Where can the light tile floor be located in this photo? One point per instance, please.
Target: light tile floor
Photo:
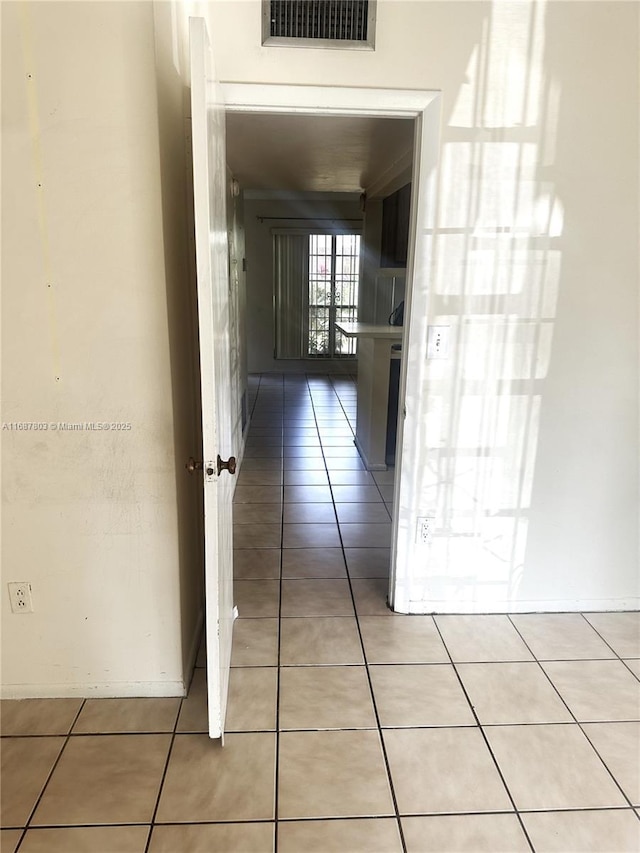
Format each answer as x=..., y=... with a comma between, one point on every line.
x=350, y=729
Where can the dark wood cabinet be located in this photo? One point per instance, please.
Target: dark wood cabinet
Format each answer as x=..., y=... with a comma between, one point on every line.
x=395, y=228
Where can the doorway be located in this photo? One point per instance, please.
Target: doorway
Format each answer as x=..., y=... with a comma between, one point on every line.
x=276, y=103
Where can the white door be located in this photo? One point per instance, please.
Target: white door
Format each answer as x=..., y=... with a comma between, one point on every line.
x=209, y=176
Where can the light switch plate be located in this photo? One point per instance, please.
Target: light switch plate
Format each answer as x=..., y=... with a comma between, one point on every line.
x=438, y=341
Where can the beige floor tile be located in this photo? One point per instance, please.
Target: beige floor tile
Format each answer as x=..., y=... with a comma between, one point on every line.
x=257, y=495
x=260, y=478
x=256, y=564
x=306, y=478
x=319, y=640
x=360, y=835
x=105, y=779
x=325, y=697
x=252, y=699
x=419, y=695
x=260, y=465
x=552, y=767
x=512, y=693
x=193, y=713
x=480, y=833
x=596, y=690
x=255, y=642
x=310, y=536
x=256, y=441
x=127, y=715
x=38, y=716
x=385, y=477
x=560, y=636
x=634, y=666
x=9, y=839
x=338, y=444
x=343, y=464
x=402, y=639
x=482, y=638
x=584, y=831
x=321, y=775
x=316, y=598
x=368, y=562
x=256, y=535
x=618, y=744
x=307, y=494
x=263, y=452
x=313, y=562
x=371, y=595
x=25, y=767
x=365, y=513
x=443, y=770
x=387, y=492
x=208, y=782
x=86, y=839
x=226, y=838
x=351, y=478
x=333, y=450
x=366, y=535
x=303, y=463
x=309, y=513
x=301, y=440
x=245, y=513
x=354, y=494
x=620, y=630
x=257, y=599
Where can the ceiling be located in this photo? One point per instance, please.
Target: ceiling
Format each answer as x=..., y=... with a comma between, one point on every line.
x=308, y=153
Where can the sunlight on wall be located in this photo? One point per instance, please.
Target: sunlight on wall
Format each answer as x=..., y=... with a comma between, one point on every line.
x=496, y=273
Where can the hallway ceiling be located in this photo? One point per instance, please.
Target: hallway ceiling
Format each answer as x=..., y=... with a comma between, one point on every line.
x=305, y=153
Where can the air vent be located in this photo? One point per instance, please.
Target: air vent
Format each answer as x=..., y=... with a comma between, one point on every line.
x=319, y=23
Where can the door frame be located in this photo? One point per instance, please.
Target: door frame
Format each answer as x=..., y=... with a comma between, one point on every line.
x=424, y=107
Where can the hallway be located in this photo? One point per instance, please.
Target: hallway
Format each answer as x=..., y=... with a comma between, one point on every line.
x=350, y=729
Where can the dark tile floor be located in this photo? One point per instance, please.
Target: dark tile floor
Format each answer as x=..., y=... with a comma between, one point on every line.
x=351, y=729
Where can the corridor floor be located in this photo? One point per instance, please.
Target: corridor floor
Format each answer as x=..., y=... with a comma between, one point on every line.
x=350, y=729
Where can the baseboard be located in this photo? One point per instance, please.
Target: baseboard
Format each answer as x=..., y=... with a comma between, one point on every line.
x=104, y=690
x=589, y=605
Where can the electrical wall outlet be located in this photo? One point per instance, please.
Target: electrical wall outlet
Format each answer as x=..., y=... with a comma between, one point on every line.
x=438, y=341
x=424, y=529
x=20, y=597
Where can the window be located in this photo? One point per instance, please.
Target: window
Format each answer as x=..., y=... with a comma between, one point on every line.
x=319, y=23
x=315, y=278
x=334, y=268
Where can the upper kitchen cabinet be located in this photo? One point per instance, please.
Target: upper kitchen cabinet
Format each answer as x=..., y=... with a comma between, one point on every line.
x=395, y=228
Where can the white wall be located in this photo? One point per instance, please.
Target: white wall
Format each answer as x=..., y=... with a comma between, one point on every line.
x=94, y=319
x=262, y=215
x=527, y=452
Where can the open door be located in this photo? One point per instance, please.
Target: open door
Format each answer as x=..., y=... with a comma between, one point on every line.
x=209, y=176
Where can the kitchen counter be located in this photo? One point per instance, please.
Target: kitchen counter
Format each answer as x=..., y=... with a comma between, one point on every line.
x=374, y=356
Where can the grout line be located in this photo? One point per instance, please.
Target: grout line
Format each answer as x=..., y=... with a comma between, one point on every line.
x=27, y=824
x=371, y=691
x=608, y=644
x=484, y=736
x=276, y=803
x=576, y=721
x=166, y=764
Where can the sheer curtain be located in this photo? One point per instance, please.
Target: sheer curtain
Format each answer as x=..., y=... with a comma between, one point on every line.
x=291, y=293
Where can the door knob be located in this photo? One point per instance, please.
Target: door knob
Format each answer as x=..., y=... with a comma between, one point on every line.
x=229, y=465
x=192, y=465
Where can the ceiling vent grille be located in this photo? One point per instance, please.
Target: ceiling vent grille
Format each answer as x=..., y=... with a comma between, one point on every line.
x=319, y=23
